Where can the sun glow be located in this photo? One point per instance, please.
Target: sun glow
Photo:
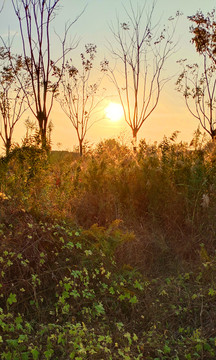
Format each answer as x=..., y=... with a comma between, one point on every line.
x=114, y=111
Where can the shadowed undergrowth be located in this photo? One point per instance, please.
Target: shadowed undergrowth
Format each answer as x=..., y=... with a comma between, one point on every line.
x=111, y=256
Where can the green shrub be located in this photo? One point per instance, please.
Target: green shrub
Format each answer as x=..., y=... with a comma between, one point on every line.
x=62, y=293
x=165, y=194
x=63, y=296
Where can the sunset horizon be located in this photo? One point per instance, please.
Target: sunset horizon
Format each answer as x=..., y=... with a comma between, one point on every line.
x=170, y=114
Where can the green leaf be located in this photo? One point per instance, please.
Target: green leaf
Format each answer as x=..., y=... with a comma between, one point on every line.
x=11, y=299
x=78, y=245
x=12, y=342
x=198, y=347
x=101, y=338
x=111, y=290
x=88, y=252
x=18, y=321
x=48, y=354
x=35, y=354
x=72, y=355
x=135, y=337
x=67, y=286
x=138, y=286
x=70, y=244
x=211, y=292
x=133, y=300
x=99, y=308
x=120, y=325
x=166, y=349
x=207, y=347
x=75, y=293
x=25, y=356
x=7, y=356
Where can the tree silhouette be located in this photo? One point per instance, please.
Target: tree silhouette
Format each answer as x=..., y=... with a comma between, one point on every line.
x=199, y=86
x=141, y=50
x=79, y=100
x=44, y=73
x=203, y=30
x=11, y=97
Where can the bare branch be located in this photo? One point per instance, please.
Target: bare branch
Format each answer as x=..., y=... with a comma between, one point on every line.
x=11, y=98
x=79, y=100
x=199, y=93
x=141, y=51
x=43, y=72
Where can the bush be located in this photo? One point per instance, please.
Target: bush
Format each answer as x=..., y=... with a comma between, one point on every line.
x=63, y=296
x=109, y=256
x=165, y=194
x=61, y=290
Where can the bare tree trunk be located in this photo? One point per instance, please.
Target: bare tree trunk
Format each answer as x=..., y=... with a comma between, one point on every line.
x=81, y=147
x=134, y=141
x=8, y=146
x=42, y=121
x=213, y=135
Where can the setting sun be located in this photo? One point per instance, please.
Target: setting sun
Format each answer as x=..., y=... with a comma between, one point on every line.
x=114, y=111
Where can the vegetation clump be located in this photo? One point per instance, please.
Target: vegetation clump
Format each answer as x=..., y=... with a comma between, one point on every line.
x=108, y=256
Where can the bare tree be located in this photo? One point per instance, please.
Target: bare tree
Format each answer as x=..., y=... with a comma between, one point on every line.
x=199, y=90
x=199, y=87
x=11, y=98
x=141, y=49
x=44, y=74
x=80, y=100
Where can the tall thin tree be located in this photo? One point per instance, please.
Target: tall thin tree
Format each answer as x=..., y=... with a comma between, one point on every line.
x=140, y=50
x=79, y=99
x=197, y=82
x=11, y=98
x=43, y=72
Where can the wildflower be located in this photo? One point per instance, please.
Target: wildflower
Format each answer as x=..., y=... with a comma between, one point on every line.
x=205, y=201
x=58, y=181
x=3, y=196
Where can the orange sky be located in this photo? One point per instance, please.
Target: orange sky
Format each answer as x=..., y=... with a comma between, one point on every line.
x=93, y=26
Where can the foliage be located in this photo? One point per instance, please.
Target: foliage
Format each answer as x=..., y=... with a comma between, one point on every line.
x=11, y=96
x=203, y=29
x=60, y=287
x=165, y=194
x=198, y=87
x=109, y=256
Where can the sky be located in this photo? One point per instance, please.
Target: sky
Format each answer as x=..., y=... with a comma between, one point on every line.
x=93, y=26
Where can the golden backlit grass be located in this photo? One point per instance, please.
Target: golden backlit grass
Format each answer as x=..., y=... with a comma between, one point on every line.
x=108, y=256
